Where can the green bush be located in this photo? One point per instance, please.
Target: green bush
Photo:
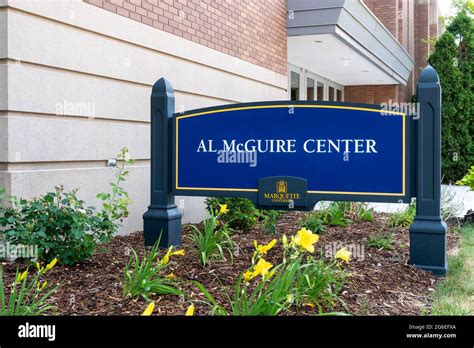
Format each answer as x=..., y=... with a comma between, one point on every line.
x=242, y=214
x=468, y=179
x=312, y=221
x=269, y=219
x=61, y=225
x=454, y=62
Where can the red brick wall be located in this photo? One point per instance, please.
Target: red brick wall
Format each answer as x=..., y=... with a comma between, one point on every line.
x=395, y=15
x=411, y=22
x=254, y=31
x=428, y=26
x=372, y=94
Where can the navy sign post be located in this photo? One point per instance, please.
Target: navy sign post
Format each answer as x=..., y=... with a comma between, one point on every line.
x=290, y=156
x=428, y=231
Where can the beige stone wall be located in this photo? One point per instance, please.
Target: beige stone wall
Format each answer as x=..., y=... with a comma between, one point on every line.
x=75, y=83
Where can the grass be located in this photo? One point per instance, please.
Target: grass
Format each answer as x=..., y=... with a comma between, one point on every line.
x=455, y=295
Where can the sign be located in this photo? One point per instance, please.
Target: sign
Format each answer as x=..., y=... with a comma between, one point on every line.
x=285, y=155
x=340, y=150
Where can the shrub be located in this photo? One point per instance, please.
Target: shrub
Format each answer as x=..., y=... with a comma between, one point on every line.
x=381, y=241
x=146, y=277
x=61, y=225
x=269, y=219
x=27, y=296
x=454, y=62
x=242, y=213
x=213, y=240
x=312, y=221
x=468, y=179
x=403, y=218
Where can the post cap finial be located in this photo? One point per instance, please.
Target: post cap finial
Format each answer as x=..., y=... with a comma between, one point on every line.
x=429, y=75
x=162, y=86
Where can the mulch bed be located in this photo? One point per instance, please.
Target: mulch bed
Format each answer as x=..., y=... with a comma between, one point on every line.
x=380, y=282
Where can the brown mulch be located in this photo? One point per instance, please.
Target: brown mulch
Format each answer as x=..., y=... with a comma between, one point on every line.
x=380, y=282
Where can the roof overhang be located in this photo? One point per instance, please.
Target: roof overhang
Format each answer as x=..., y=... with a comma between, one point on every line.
x=345, y=42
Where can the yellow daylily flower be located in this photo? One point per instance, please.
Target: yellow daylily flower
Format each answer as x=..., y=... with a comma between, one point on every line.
x=149, y=309
x=223, y=209
x=171, y=276
x=51, y=264
x=263, y=249
x=306, y=239
x=262, y=267
x=248, y=276
x=343, y=254
x=179, y=252
x=284, y=240
x=41, y=286
x=309, y=304
x=166, y=258
x=21, y=277
x=190, y=311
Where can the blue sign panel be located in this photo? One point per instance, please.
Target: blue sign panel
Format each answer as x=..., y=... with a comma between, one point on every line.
x=339, y=149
